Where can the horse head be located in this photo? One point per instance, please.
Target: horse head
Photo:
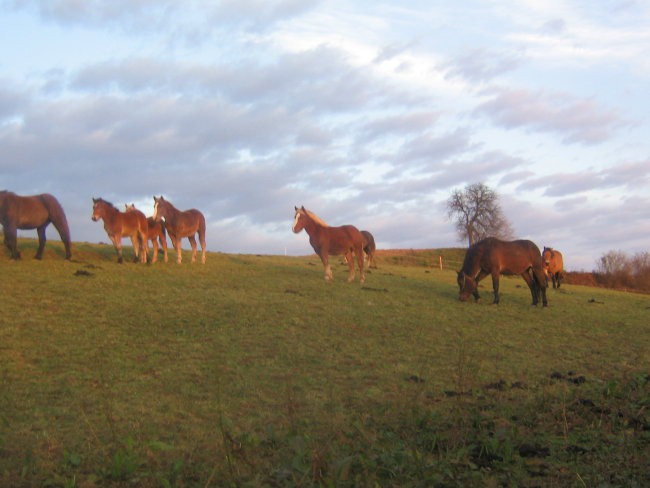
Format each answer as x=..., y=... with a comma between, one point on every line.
x=96, y=214
x=298, y=219
x=158, y=212
x=466, y=285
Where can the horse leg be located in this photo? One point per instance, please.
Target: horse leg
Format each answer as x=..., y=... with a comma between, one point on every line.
x=179, y=255
x=117, y=243
x=192, y=240
x=326, y=265
x=495, y=287
x=349, y=259
x=144, y=246
x=154, y=244
x=136, y=247
x=11, y=238
x=41, y=241
x=362, y=277
x=481, y=274
x=541, y=285
x=532, y=285
x=163, y=243
x=202, y=241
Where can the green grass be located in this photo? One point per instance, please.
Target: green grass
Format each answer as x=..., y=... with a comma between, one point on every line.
x=253, y=371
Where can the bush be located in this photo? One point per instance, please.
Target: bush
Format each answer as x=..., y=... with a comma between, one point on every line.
x=616, y=269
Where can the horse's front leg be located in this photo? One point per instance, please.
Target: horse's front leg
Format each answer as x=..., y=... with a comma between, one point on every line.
x=326, y=265
x=192, y=240
x=117, y=243
x=11, y=241
x=532, y=284
x=360, y=259
x=41, y=241
x=135, y=242
x=481, y=274
x=349, y=259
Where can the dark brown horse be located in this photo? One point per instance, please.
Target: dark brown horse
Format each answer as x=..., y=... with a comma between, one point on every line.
x=32, y=212
x=181, y=224
x=327, y=241
x=156, y=233
x=494, y=257
x=369, y=247
x=553, y=265
x=123, y=224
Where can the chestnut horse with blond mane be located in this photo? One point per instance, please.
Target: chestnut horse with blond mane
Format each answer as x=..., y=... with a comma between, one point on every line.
x=32, y=212
x=122, y=224
x=494, y=257
x=327, y=241
x=181, y=224
x=553, y=265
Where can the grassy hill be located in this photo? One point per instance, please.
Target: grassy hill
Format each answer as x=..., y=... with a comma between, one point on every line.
x=252, y=371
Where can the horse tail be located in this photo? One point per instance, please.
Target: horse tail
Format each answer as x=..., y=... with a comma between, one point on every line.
x=59, y=220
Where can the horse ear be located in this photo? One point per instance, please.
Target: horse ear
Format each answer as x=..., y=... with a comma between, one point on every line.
x=95, y=200
x=295, y=208
x=303, y=208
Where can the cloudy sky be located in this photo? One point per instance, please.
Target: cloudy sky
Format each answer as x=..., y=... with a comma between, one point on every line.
x=367, y=112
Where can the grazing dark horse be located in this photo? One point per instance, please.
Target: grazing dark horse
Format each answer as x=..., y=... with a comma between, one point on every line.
x=181, y=224
x=553, y=265
x=492, y=256
x=327, y=240
x=123, y=224
x=156, y=233
x=32, y=212
x=369, y=247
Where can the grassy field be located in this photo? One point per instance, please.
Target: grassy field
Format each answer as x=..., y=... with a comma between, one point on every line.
x=252, y=371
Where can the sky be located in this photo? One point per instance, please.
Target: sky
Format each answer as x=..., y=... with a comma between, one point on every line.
x=368, y=113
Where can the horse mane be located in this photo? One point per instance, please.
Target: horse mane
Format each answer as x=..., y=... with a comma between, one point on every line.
x=100, y=199
x=316, y=218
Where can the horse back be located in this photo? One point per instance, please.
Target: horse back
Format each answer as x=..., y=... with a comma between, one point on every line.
x=30, y=212
x=502, y=257
x=341, y=240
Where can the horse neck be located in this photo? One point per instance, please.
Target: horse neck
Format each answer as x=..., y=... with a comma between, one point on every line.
x=110, y=214
x=312, y=227
x=171, y=215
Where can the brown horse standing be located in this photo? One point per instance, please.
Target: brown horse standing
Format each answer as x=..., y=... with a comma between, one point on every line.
x=492, y=256
x=181, y=224
x=122, y=224
x=553, y=265
x=32, y=212
x=369, y=247
x=327, y=240
x=155, y=233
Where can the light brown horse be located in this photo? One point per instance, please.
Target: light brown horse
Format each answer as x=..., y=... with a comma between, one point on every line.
x=327, y=241
x=553, y=265
x=123, y=224
x=494, y=257
x=369, y=247
x=181, y=224
x=32, y=212
x=155, y=233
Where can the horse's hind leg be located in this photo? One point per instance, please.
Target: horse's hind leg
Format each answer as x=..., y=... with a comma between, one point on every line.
x=192, y=240
x=349, y=258
x=41, y=241
x=202, y=241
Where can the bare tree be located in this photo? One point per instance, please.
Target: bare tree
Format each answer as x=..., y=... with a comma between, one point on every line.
x=477, y=214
